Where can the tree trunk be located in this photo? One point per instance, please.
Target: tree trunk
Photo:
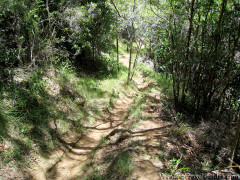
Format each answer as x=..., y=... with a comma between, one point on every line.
x=212, y=73
x=187, y=53
x=174, y=70
x=117, y=56
x=230, y=68
x=201, y=65
x=235, y=141
x=139, y=46
x=132, y=38
x=130, y=61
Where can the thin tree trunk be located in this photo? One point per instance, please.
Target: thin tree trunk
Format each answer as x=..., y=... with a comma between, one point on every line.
x=235, y=141
x=135, y=61
x=230, y=68
x=196, y=48
x=175, y=82
x=134, y=67
x=117, y=55
x=212, y=73
x=93, y=50
x=132, y=39
x=130, y=61
x=174, y=91
x=187, y=53
x=20, y=54
x=47, y=7
x=200, y=65
x=217, y=39
x=51, y=44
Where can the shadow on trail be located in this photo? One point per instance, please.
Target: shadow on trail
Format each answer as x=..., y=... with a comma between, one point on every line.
x=153, y=147
x=29, y=120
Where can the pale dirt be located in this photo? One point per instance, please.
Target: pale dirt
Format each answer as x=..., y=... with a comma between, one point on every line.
x=69, y=162
x=125, y=60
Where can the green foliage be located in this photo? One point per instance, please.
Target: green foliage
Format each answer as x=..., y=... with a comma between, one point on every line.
x=36, y=83
x=80, y=33
x=30, y=114
x=3, y=122
x=140, y=101
x=113, y=96
x=22, y=114
x=107, y=66
x=194, y=51
x=174, y=166
x=183, y=127
x=206, y=165
x=161, y=156
x=162, y=80
x=196, y=57
x=96, y=176
x=121, y=168
x=179, y=116
x=146, y=71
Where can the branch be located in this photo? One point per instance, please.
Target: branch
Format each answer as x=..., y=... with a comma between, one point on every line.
x=156, y=13
x=116, y=9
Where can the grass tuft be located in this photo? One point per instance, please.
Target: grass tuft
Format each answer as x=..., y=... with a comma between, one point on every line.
x=121, y=167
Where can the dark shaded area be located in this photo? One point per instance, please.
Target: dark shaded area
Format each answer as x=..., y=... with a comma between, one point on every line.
x=98, y=67
x=3, y=127
x=31, y=116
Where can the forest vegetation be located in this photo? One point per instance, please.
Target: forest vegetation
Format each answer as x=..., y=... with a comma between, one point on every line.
x=164, y=74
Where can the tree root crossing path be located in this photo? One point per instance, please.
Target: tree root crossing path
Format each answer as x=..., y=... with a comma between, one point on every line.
x=72, y=161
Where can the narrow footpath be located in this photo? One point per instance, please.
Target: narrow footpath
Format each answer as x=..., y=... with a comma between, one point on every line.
x=69, y=163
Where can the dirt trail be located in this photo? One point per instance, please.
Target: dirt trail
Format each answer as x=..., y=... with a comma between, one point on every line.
x=77, y=154
x=125, y=60
x=69, y=162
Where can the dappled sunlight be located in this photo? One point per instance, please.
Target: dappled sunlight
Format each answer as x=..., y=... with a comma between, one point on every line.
x=80, y=151
x=77, y=153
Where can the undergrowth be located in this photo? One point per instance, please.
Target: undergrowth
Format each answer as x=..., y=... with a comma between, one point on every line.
x=122, y=167
x=165, y=83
